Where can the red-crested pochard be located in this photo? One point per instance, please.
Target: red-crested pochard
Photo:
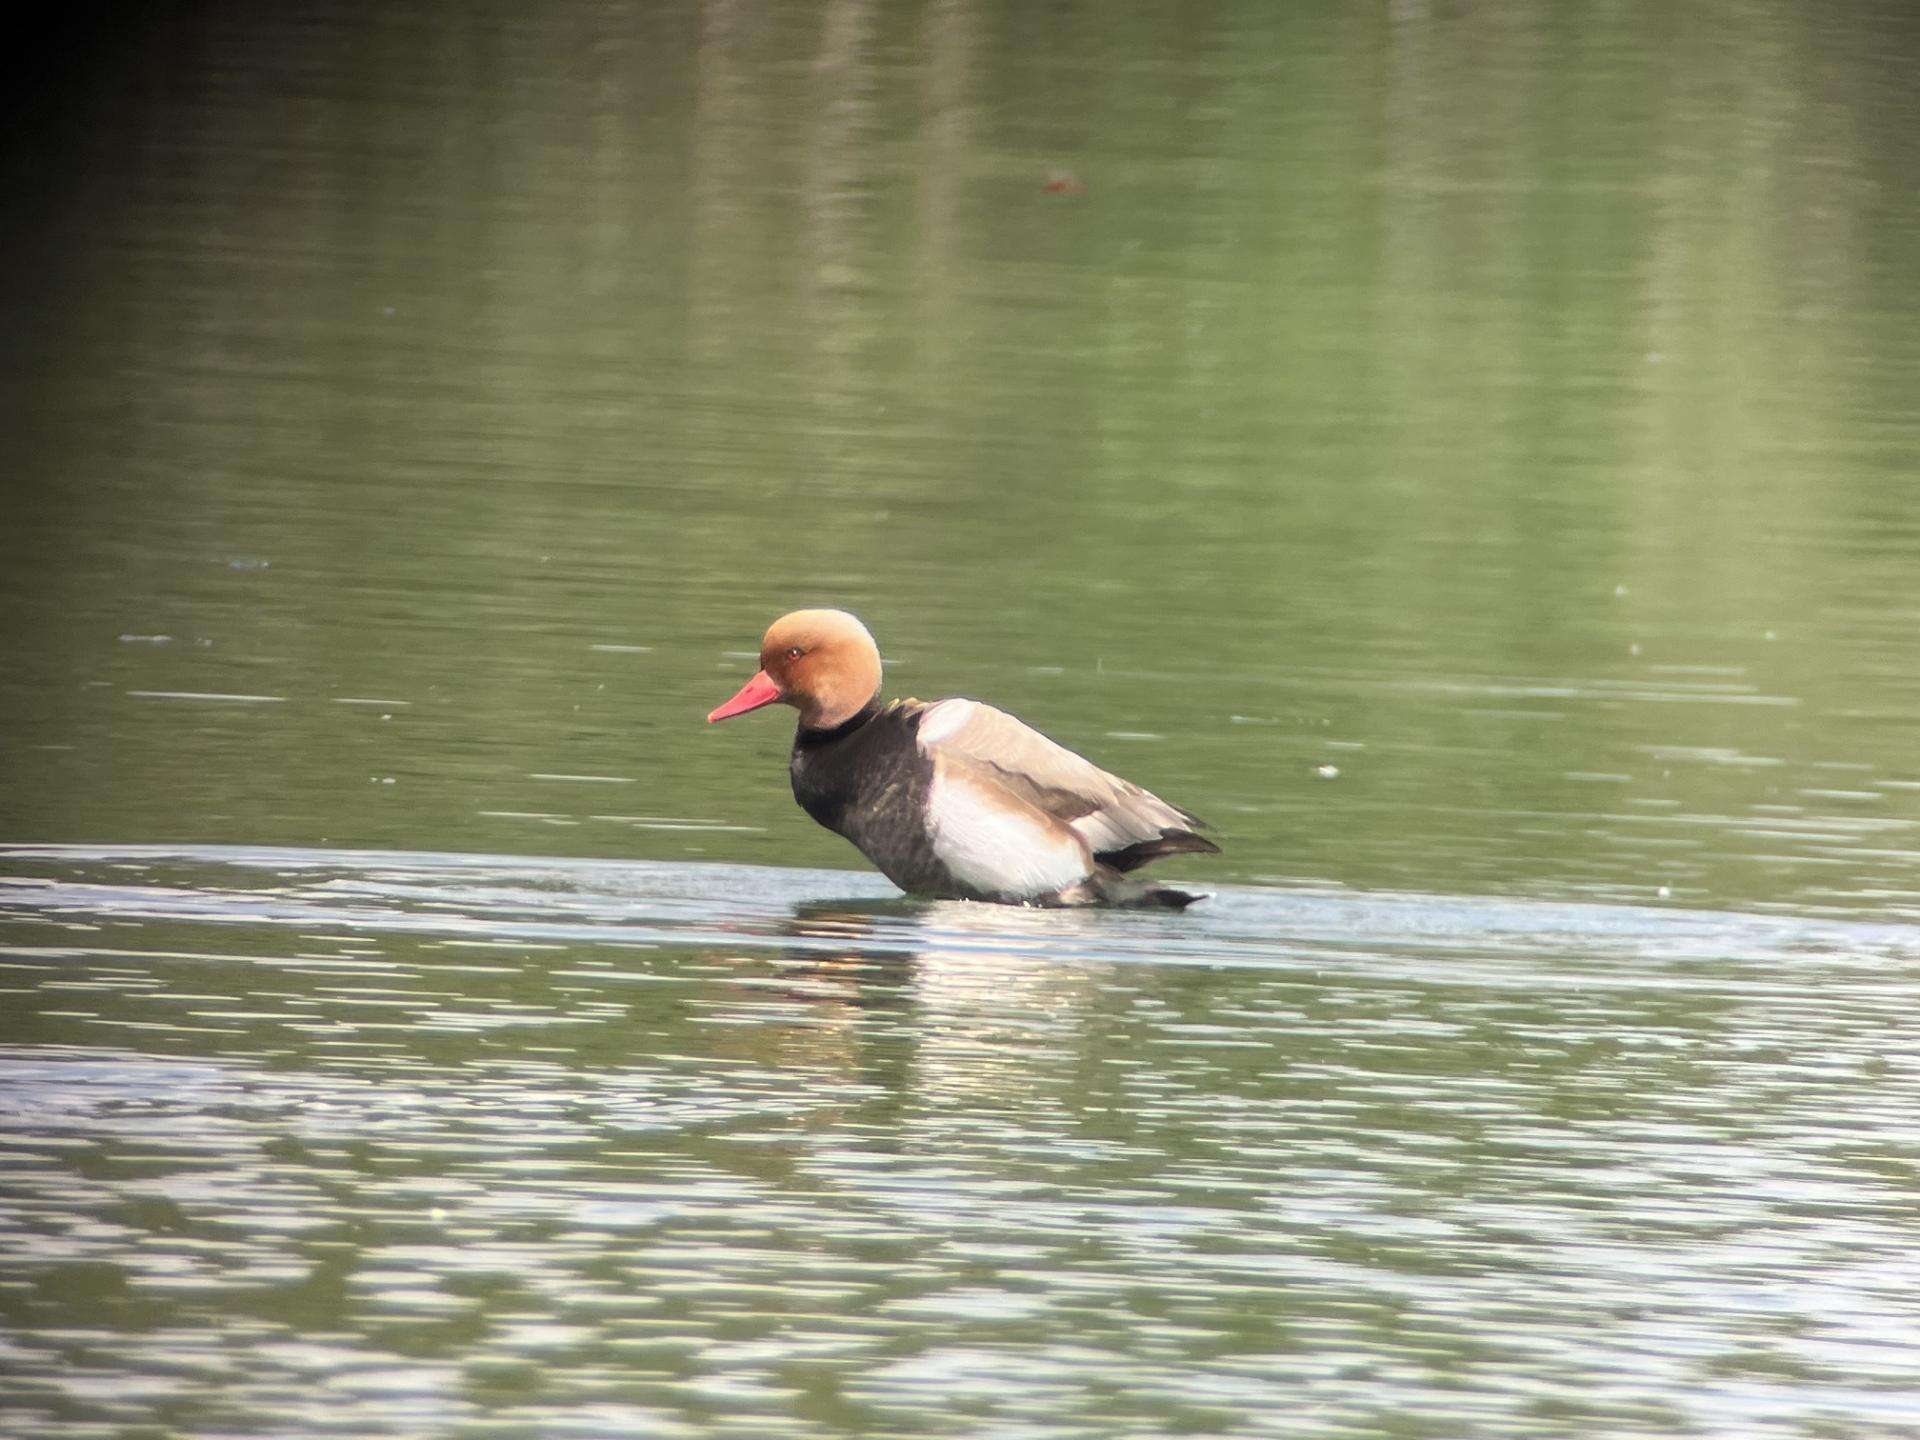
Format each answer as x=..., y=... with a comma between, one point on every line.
x=956, y=799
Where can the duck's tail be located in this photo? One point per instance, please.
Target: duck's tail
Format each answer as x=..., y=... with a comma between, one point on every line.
x=1168, y=898
x=1110, y=887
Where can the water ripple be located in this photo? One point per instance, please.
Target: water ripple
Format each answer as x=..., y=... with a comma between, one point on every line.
x=395, y=1143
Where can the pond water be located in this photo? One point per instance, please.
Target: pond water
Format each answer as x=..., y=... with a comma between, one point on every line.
x=1466, y=452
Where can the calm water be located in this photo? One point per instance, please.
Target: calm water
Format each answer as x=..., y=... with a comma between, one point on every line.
x=1469, y=453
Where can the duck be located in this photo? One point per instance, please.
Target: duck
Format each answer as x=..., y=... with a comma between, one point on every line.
x=953, y=799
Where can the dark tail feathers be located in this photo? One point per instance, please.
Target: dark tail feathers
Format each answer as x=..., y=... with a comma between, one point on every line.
x=1110, y=887
x=1167, y=898
x=1171, y=842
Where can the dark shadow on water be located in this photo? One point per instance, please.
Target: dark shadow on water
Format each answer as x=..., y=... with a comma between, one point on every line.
x=827, y=913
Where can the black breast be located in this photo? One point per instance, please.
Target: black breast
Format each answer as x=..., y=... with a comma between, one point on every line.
x=868, y=780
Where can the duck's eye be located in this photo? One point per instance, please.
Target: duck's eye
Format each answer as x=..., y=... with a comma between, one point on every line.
x=794, y=652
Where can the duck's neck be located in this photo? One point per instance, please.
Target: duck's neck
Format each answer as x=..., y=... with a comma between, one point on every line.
x=808, y=736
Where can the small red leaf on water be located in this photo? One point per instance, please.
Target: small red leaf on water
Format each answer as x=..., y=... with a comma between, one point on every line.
x=1064, y=184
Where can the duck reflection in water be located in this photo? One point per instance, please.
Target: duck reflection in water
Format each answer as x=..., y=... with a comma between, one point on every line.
x=944, y=999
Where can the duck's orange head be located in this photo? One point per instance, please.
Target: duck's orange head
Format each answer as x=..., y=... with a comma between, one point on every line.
x=821, y=662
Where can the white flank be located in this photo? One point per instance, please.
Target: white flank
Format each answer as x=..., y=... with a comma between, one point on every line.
x=1009, y=852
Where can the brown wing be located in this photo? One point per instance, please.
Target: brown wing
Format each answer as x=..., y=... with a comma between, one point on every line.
x=1123, y=825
